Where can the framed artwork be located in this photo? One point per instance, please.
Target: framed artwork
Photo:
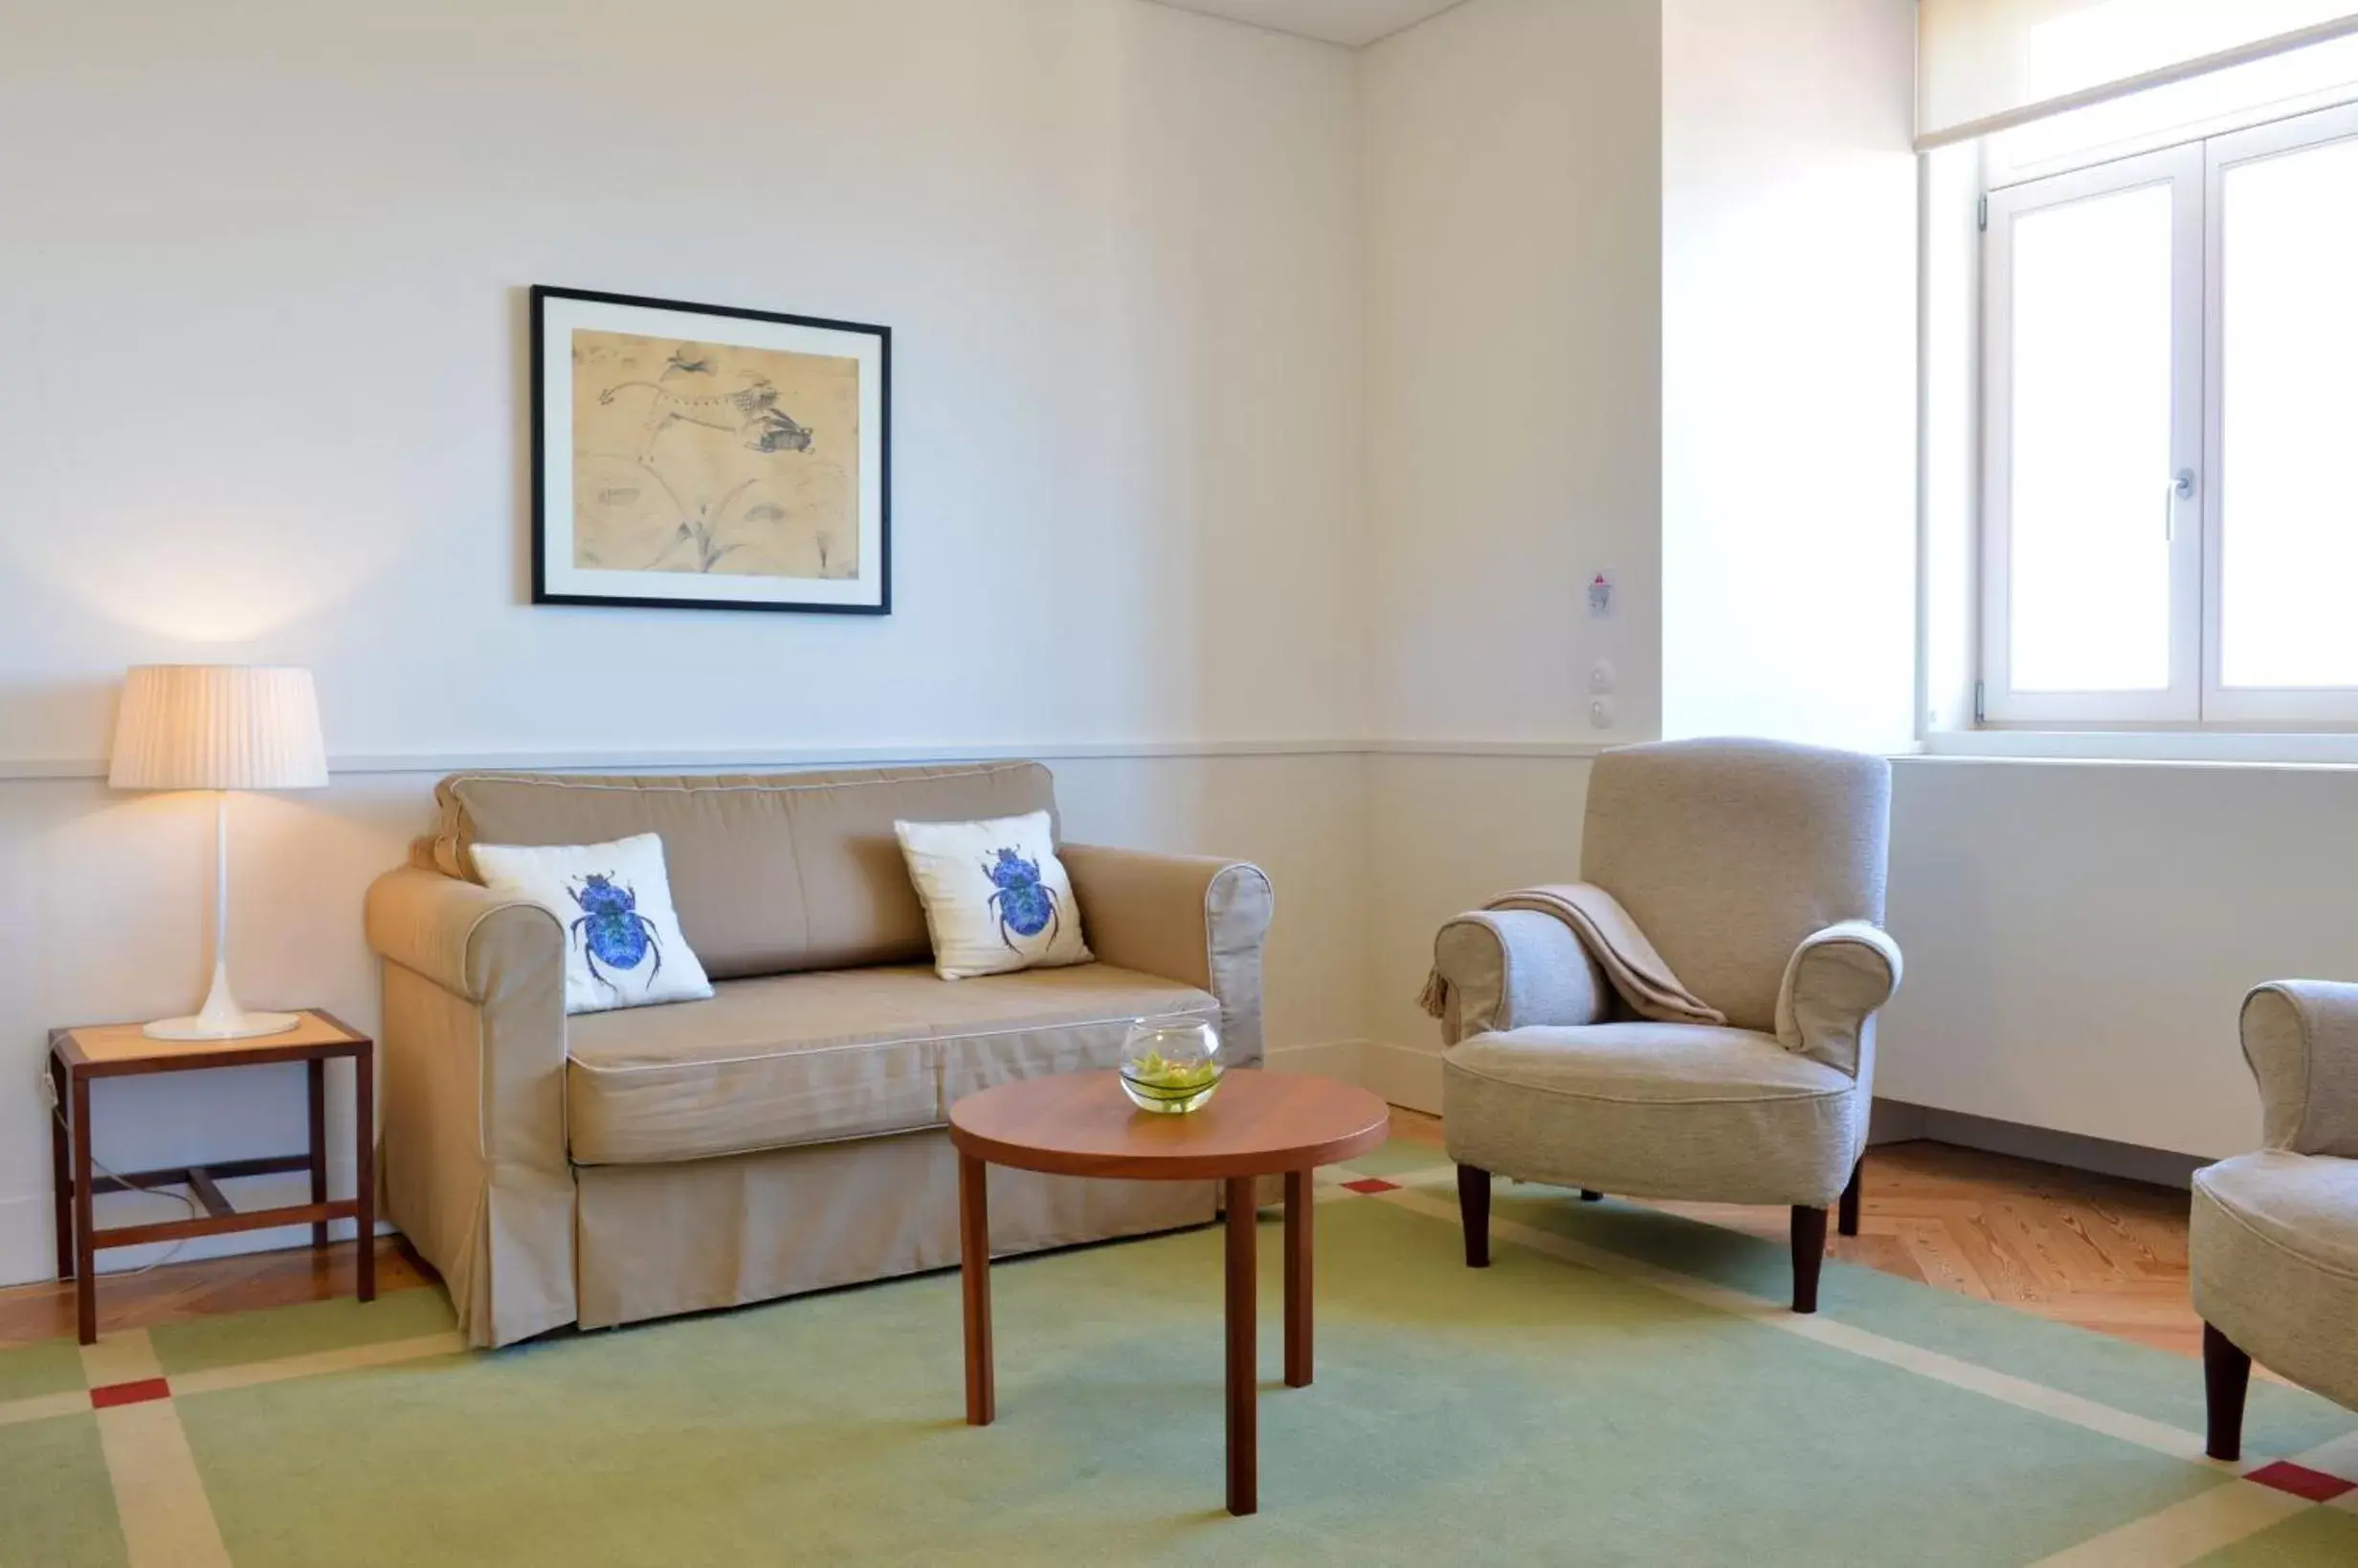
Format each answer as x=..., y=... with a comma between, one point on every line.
x=709, y=457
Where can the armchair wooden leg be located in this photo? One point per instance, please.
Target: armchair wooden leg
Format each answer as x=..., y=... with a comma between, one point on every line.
x=1474, y=1212
x=1590, y=1195
x=2226, y=1377
x=1808, y=1252
x=1846, y=1218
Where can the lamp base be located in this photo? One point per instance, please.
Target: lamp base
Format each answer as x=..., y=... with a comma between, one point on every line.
x=221, y=1016
x=238, y=1026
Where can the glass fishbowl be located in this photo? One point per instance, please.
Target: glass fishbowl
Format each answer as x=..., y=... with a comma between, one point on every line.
x=1170, y=1065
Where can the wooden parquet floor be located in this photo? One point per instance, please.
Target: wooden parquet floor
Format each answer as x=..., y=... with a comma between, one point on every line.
x=178, y=1292
x=2094, y=1251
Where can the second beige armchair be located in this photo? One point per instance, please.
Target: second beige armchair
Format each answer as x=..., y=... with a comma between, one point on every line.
x=2273, y=1244
x=1755, y=870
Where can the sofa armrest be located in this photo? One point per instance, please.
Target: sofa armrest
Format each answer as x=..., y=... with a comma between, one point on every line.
x=462, y=937
x=471, y=1069
x=1504, y=969
x=2300, y=1037
x=1835, y=984
x=1198, y=920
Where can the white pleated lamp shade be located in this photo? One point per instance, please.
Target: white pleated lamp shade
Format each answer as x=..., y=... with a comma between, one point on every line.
x=218, y=726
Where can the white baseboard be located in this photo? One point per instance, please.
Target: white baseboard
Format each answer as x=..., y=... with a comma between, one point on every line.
x=1322, y=1058
x=1896, y=1121
x=1405, y=1075
x=1402, y=1075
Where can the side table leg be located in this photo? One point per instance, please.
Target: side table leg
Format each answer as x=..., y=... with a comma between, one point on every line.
x=61, y=1168
x=974, y=1274
x=85, y=1237
x=365, y=1167
x=1243, y=1373
x=315, y=1086
x=1298, y=1200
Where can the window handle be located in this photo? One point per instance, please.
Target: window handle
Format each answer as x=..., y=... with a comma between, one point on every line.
x=2181, y=489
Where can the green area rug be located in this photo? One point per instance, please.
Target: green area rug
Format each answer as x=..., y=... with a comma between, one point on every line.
x=1619, y=1387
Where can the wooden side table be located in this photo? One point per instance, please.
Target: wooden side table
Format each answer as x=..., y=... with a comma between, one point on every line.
x=113, y=1051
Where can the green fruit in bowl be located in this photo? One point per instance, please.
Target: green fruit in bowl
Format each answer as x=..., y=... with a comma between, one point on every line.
x=1155, y=1083
x=1152, y=1072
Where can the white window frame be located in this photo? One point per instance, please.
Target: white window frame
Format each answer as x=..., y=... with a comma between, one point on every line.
x=2194, y=697
x=2278, y=707
x=2180, y=700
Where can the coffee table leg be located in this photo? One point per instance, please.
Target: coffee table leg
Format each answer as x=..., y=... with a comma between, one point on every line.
x=1298, y=1211
x=1243, y=1374
x=974, y=1273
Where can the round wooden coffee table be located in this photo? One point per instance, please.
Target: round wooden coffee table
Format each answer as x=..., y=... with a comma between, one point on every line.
x=1080, y=1124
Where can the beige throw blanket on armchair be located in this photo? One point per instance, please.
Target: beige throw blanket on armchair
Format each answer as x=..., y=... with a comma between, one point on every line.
x=1637, y=972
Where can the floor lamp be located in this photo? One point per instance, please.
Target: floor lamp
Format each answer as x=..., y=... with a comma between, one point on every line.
x=218, y=727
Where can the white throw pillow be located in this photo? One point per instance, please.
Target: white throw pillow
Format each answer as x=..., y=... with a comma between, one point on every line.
x=622, y=942
x=996, y=895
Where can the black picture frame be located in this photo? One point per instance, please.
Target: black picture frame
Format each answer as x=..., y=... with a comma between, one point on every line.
x=543, y=296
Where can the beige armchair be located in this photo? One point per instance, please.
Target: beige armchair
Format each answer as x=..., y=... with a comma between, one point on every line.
x=2273, y=1241
x=1755, y=868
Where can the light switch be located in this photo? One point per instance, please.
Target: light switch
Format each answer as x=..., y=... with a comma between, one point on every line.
x=1600, y=713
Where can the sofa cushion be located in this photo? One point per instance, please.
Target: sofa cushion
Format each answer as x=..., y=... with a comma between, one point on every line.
x=844, y=1053
x=770, y=872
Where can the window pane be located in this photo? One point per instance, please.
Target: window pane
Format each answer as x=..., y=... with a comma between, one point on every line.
x=2289, y=525
x=2090, y=598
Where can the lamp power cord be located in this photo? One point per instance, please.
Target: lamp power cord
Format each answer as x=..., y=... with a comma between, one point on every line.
x=49, y=1092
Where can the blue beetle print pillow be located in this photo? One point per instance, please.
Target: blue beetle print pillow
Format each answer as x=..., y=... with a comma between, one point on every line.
x=996, y=895
x=622, y=941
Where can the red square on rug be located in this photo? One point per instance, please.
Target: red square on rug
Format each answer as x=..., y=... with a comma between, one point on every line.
x=1372, y=1183
x=2300, y=1481
x=130, y=1393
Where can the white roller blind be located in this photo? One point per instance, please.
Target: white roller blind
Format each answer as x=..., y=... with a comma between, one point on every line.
x=1983, y=65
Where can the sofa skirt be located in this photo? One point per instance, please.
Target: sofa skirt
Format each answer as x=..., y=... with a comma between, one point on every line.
x=652, y=1241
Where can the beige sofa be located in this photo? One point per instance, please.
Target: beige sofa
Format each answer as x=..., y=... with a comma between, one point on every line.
x=787, y=1134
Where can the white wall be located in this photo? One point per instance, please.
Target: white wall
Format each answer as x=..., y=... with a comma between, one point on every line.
x=2079, y=937
x=265, y=323
x=1513, y=351
x=266, y=308
x=1788, y=371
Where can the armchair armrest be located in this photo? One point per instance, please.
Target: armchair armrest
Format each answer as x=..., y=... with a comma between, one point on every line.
x=1198, y=920
x=2300, y=1037
x=1833, y=984
x=1502, y=969
x=471, y=1081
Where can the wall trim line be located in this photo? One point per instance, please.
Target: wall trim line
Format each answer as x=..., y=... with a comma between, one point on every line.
x=739, y=757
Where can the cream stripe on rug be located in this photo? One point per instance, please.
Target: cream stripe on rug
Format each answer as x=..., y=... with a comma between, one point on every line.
x=73, y=1402
x=317, y=1363
x=2086, y=1413
x=159, y=1495
x=2184, y=1532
